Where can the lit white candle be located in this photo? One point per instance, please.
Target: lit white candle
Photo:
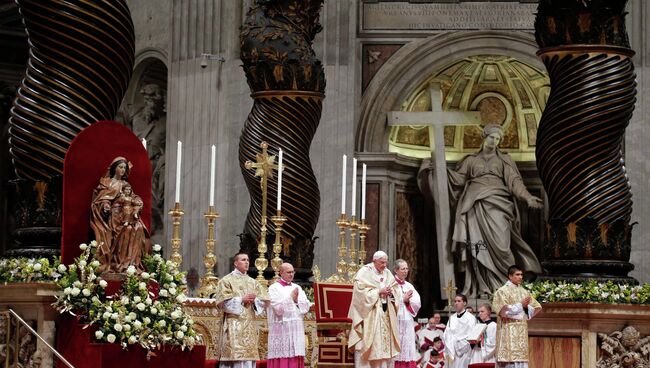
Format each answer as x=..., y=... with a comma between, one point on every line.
x=343, y=177
x=354, y=188
x=144, y=143
x=363, y=193
x=278, y=206
x=177, y=197
x=212, y=173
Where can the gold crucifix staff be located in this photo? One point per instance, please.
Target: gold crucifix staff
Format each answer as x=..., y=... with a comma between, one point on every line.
x=264, y=167
x=451, y=294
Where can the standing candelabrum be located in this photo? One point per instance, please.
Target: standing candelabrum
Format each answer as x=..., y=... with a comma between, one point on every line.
x=352, y=266
x=278, y=220
x=209, y=280
x=177, y=214
x=342, y=266
x=363, y=231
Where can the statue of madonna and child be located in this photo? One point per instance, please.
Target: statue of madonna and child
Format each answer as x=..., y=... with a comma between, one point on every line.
x=122, y=237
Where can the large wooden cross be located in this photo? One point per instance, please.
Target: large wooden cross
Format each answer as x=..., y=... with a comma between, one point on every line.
x=438, y=119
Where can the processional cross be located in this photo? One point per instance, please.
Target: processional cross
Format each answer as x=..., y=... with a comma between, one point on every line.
x=451, y=293
x=264, y=166
x=438, y=119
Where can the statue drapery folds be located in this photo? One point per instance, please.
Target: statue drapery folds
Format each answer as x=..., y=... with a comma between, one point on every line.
x=122, y=237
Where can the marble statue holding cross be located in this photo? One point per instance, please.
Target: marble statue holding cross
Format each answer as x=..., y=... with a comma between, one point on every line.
x=477, y=221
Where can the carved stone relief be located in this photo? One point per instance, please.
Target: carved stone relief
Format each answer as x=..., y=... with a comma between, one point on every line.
x=624, y=348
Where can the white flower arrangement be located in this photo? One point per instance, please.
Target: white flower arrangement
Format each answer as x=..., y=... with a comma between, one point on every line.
x=136, y=315
x=589, y=292
x=21, y=269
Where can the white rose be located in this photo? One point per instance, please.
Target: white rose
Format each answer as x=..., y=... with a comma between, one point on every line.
x=163, y=293
x=124, y=300
x=83, y=246
x=93, y=243
x=99, y=335
x=132, y=339
x=172, y=291
x=181, y=298
x=130, y=270
x=148, y=301
x=67, y=291
x=184, y=328
x=137, y=299
x=176, y=314
x=157, y=247
x=180, y=334
x=162, y=323
x=106, y=315
x=85, y=292
x=76, y=283
x=75, y=291
x=157, y=257
x=103, y=283
x=142, y=286
x=133, y=316
x=62, y=268
x=141, y=307
x=115, y=316
x=127, y=327
x=127, y=319
x=82, y=263
x=94, y=263
x=109, y=309
x=192, y=339
x=110, y=338
x=95, y=300
x=117, y=327
x=172, y=284
x=137, y=325
x=154, y=310
x=161, y=312
x=190, y=321
x=146, y=320
x=91, y=277
x=37, y=267
x=145, y=275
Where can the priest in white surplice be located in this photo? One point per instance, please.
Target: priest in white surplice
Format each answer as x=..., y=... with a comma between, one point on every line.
x=373, y=311
x=483, y=351
x=408, y=308
x=457, y=348
x=288, y=306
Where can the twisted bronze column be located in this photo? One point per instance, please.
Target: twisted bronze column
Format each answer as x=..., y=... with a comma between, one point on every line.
x=287, y=84
x=585, y=49
x=81, y=57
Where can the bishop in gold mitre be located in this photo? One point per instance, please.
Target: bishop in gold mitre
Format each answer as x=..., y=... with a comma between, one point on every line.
x=241, y=298
x=373, y=311
x=514, y=306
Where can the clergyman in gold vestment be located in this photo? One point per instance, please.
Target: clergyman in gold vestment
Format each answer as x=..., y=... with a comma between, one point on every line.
x=514, y=306
x=373, y=311
x=241, y=298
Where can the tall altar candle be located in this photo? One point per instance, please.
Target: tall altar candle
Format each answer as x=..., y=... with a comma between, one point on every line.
x=278, y=206
x=343, y=177
x=212, y=172
x=363, y=193
x=177, y=197
x=354, y=188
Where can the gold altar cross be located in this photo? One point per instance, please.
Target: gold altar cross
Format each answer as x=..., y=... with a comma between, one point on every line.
x=451, y=293
x=264, y=167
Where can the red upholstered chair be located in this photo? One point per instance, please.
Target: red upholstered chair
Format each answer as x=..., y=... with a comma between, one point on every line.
x=332, y=302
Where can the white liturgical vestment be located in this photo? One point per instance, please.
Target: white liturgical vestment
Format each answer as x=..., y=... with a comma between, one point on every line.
x=457, y=348
x=286, y=328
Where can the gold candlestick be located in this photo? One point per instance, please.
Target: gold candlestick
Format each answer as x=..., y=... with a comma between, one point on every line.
x=209, y=280
x=263, y=166
x=278, y=220
x=176, y=213
x=363, y=231
x=342, y=266
x=352, y=266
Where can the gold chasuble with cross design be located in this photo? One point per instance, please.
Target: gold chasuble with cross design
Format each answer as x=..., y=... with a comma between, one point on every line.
x=512, y=333
x=240, y=335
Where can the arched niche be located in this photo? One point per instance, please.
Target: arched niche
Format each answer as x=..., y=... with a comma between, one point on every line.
x=412, y=64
